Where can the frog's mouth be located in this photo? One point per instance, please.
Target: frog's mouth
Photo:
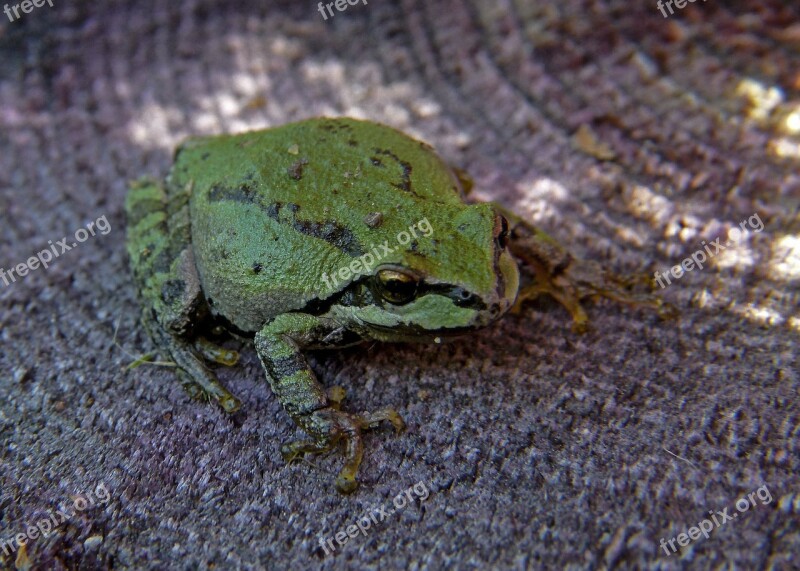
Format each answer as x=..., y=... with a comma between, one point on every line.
x=415, y=333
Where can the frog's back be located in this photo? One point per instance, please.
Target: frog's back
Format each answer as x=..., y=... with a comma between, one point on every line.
x=273, y=211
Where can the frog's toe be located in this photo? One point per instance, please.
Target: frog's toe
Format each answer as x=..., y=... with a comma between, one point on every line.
x=583, y=279
x=212, y=392
x=213, y=352
x=193, y=389
x=230, y=404
x=372, y=419
x=346, y=483
x=667, y=311
x=291, y=451
x=569, y=279
x=196, y=391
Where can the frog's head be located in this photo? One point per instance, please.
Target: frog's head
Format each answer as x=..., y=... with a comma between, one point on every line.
x=456, y=275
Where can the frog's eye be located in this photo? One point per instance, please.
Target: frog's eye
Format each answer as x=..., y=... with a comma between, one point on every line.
x=396, y=286
x=502, y=231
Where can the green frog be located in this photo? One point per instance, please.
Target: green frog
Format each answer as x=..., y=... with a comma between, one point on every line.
x=322, y=234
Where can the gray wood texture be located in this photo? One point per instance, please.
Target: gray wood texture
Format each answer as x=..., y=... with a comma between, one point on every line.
x=630, y=137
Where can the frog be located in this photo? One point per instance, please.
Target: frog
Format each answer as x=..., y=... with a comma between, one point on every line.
x=243, y=235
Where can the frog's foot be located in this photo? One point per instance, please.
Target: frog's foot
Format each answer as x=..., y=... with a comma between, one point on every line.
x=198, y=380
x=332, y=426
x=569, y=280
x=570, y=302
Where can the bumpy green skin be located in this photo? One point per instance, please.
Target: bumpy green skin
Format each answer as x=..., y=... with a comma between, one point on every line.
x=246, y=228
x=268, y=224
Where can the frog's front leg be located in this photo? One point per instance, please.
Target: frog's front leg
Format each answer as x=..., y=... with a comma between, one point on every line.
x=279, y=346
x=569, y=279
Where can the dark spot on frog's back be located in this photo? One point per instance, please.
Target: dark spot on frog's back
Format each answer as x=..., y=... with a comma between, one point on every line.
x=405, y=184
x=273, y=210
x=296, y=170
x=331, y=232
x=334, y=125
x=328, y=230
x=257, y=268
x=242, y=193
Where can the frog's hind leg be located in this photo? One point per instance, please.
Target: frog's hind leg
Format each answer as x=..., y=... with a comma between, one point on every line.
x=159, y=238
x=569, y=279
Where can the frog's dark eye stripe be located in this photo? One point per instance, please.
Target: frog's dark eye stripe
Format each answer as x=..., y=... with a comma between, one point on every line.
x=460, y=296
